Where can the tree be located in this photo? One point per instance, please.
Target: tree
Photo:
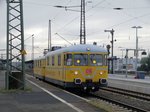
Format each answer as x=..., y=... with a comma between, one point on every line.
x=145, y=64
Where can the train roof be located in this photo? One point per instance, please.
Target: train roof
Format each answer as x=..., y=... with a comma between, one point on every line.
x=79, y=48
x=40, y=58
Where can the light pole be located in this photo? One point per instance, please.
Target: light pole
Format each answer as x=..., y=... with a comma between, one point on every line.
x=112, y=45
x=136, y=51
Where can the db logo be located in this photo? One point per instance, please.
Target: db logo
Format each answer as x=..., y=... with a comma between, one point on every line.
x=89, y=71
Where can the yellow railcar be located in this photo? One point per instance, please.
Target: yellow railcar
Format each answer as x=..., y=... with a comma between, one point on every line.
x=39, y=67
x=78, y=66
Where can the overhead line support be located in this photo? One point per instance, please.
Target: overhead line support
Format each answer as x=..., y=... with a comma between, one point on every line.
x=15, y=45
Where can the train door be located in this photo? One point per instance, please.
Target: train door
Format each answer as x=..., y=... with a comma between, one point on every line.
x=43, y=68
x=64, y=67
x=68, y=59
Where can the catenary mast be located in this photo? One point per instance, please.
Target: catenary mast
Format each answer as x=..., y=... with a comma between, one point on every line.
x=15, y=45
x=82, y=24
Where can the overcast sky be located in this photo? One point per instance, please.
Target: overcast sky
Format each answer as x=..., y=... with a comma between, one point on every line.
x=100, y=16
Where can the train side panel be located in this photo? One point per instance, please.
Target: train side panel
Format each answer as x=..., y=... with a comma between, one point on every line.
x=55, y=69
x=39, y=68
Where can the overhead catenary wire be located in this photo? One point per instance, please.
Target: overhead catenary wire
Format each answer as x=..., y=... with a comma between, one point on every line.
x=118, y=24
x=64, y=39
x=115, y=25
x=70, y=22
x=99, y=3
x=62, y=28
x=123, y=11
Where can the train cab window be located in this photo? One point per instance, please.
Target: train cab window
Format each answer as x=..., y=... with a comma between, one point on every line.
x=68, y=59
x=80, y=59
x=96, y=59
x=48, y=61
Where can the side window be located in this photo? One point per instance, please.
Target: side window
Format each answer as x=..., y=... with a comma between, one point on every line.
x=42, y=63
x=48, y=61
x=68, y=59
x=53, y=60
x=105, y=60
x=59, y=60
x=34, y=63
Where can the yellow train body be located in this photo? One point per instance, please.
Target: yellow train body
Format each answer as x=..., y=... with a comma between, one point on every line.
x=80, y=66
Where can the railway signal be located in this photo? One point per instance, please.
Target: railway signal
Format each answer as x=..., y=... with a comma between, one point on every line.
x=112, y=46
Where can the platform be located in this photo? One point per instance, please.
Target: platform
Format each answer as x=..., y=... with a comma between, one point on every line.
x=129, y=83
x=41, y=97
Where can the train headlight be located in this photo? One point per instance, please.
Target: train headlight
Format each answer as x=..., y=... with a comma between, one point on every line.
x=76, y=72
x=101, y=73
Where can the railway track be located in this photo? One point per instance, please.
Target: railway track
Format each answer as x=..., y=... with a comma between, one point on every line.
x=142, y=96
x=131, y=100
x=127, y=107
x=119, y=103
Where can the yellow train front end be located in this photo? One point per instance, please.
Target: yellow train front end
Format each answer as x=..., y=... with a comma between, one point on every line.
x=86, y=70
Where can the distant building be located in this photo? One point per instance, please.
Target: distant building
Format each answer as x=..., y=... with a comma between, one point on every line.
x=120, y=65
x=29, y=67
x=2, y=64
